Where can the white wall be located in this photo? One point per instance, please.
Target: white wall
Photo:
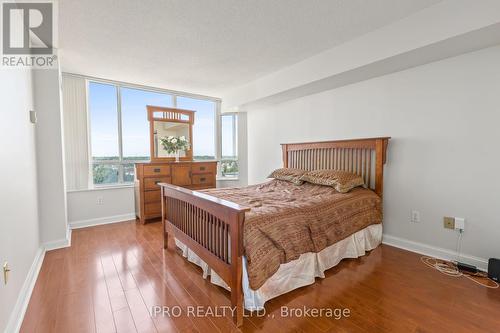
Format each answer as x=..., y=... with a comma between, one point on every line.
x=50, y=155
x=117, y=204
x=443, y=158
x=19, y=235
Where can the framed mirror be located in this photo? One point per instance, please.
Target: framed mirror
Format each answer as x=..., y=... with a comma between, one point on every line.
x=169, y=127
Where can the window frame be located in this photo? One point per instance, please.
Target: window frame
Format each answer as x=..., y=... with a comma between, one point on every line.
x=235, y=131
x=217, y=108
x=120, y=161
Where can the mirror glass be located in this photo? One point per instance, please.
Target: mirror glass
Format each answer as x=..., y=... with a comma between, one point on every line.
x=165, y=129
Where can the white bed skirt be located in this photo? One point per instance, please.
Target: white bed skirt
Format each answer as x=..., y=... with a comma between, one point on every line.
x=297, y=273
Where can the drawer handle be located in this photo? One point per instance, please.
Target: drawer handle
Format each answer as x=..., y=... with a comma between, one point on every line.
x=157, y=182
x=202, y=179
x=202, y=168
x=157, y=170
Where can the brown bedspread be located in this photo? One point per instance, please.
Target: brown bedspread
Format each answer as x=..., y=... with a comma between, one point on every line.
x=287, y=220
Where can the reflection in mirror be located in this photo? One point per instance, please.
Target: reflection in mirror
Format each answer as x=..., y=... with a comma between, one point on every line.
x=163, y=129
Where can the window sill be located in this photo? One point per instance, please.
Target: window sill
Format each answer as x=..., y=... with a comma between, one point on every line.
x=120, y=186
x=101, y=188
x=228, y=179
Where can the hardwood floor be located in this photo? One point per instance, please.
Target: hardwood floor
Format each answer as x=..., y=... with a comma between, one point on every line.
x=112, y=276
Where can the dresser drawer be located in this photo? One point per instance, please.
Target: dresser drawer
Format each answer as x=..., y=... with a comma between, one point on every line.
x=152, y=196
x=181, y=174
x=151, y=184
x=204, y=168
x=194, y=175
x=152, y=208
x=203, y=179
x=156, y=170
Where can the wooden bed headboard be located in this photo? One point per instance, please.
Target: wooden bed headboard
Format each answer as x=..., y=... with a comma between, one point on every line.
x=365, y=157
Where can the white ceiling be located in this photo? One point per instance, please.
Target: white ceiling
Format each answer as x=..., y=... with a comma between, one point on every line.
x=209, y=46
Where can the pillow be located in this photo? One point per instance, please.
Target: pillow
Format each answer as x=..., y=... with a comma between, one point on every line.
x=342, y=181
x=288, y=174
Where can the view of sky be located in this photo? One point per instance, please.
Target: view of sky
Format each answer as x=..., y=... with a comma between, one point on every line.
x=103, y=119
x=204, y=124
x=135, y=125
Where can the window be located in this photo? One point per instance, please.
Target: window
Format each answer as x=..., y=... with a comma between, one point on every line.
x=135, y=125
x=204, y=126
x=103, y=109
x=119, y=128
x=229, y=143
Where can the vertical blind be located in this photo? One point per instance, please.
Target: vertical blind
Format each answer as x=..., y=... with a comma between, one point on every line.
x=75, y=132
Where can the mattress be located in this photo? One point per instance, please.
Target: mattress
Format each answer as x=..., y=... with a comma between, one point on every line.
x=287, y=221
x=298, y=272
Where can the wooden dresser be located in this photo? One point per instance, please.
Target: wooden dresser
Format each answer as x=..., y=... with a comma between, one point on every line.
x=196, y=175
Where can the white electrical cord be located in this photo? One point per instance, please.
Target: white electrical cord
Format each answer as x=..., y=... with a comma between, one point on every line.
x=459, y=244
x=450, y=269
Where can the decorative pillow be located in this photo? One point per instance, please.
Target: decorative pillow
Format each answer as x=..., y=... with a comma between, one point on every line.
x=342, y=181
x=288, y=174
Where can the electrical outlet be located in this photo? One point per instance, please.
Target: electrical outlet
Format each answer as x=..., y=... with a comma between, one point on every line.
x=415, y=216
x=100, y=200
x=449, y=222
x=33, y=118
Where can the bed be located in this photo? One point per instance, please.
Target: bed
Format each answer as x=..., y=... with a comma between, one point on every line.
x=264, y=240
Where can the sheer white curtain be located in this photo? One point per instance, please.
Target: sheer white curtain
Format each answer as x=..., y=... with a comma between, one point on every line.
x=75, y=132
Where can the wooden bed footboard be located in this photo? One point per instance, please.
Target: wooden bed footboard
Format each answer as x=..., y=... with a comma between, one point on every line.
x=213, y=229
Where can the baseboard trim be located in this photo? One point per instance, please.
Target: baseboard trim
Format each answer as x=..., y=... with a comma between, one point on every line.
x=102, y=220
x=434, y=251
x=17, y=315
x=59, y=244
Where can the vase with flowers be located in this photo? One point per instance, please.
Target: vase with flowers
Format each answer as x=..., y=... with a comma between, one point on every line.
x=174, y=145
